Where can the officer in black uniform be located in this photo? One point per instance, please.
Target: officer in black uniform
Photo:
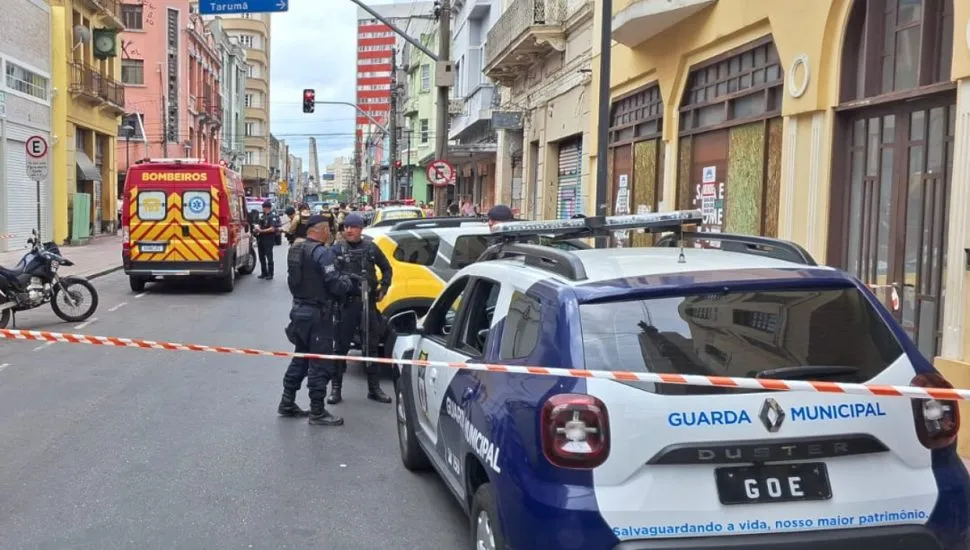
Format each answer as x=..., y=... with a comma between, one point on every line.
x=266, y=230
x=360, y=255
x=316, y=285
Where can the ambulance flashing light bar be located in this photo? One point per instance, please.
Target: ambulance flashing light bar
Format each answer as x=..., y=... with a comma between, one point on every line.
x=654, y=223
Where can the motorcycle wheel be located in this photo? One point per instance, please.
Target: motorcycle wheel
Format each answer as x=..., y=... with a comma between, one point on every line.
x=5, y=317
x=67, y=283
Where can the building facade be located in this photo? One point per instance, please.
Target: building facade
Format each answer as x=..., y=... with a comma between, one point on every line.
x=843, y=125
x=252, y=31
x=275, y=164
x=25, y=111
x=540, y=52
x=418, y=106
x=86, y=113
x=342, y=169
x=171, y=68
x=232, y=84
x=378, y=51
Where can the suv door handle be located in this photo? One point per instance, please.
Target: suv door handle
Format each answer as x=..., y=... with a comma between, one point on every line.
x=433, y=374
x=185, y=231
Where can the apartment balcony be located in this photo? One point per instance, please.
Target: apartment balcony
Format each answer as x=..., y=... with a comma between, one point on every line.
x=410, y=106
x=209, y=109
x=109, y=10
x=641, y=20
x=113, y=94
x=475, y=115
x=255, y=172
x=525, y=33
x=86, y=83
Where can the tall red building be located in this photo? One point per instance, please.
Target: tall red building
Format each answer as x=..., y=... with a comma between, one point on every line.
x=375, y=43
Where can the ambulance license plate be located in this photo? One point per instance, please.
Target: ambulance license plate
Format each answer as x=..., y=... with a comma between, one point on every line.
x=151, y=248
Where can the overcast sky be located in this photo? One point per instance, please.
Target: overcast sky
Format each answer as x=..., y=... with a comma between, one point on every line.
x=315, y=46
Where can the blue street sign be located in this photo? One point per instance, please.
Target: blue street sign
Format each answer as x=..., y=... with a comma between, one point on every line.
x=227, y=7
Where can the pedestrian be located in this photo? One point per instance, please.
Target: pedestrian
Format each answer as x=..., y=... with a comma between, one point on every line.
x=297, y=228
x=316, y=284
x=267, y=228
x=499, y=213
x=359, y=255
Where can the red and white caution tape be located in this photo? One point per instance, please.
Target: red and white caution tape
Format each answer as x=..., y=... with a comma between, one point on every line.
x=879, y=390
x=7, y=235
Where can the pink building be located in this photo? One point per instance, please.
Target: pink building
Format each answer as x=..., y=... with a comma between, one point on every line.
x=170, y=67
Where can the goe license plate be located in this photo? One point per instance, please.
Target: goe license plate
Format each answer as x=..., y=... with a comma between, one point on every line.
x=151, y=248
x=773, y=483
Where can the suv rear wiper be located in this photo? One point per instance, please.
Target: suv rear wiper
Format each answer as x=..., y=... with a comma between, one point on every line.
x=808, y=372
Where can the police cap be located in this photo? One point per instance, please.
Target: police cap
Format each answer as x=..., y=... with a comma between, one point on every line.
x=354, y=220
x=316, y=219
x=267, y=204
x=500, y=213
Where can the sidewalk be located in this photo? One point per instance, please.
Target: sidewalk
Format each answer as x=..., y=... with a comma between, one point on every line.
x=99, y=257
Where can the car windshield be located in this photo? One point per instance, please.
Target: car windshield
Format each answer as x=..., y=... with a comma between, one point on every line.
x=817, y=334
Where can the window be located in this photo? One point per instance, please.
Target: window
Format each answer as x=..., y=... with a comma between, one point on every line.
x=132, y=16
x=152, y=205
x=250, y=129
x=246, y=40
x=416, y=250
x=425, y=77
x=741, y=334
x=476, y=320
x=196, y=205
x=443, y=315
x=249, y=100
x=637, y=116
x=26, y=81
x=520, y=336
x=250, y=71
x=133, y=71
x=424, y=130
x=467, y=250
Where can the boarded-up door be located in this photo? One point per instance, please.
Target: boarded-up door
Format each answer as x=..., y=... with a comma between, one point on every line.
x=708, y=177
x=570, y=199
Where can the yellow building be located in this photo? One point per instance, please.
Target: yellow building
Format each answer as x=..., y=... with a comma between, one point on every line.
x=88, y=102
x=843, y=125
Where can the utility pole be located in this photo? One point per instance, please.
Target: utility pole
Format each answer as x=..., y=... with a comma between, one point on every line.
x=410, y=169
x=392, y=165
x=355, y=186
x=441, y=122
x=603, y=131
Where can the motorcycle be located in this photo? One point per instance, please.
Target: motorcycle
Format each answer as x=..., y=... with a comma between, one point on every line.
x=34, y=282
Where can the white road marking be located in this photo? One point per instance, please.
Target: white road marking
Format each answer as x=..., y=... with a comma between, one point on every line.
x=4, y=365
x=119, y=306
x=86, y=323
x=140, y=295
x=44, y=346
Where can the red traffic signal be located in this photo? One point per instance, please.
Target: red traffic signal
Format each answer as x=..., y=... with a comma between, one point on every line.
x=309, y=100
x=397, y=164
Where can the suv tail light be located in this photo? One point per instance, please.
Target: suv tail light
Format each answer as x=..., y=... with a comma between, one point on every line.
x=937, y=422
x=575, y=431
x=223, y=234
x=125, y=236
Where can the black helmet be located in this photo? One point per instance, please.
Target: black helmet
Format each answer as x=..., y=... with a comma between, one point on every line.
x=267, y=204
x=290, y=210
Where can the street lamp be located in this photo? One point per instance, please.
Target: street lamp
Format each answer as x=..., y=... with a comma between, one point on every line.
x=128, y=129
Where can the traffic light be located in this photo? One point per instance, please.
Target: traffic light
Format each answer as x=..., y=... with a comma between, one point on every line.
x=309, y=100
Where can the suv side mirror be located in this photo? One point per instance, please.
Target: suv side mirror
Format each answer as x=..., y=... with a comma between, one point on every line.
x=405, y=322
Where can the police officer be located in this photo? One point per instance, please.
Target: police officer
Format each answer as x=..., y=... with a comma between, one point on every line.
x=268, y=226
x=360, y=255
x=316, y=284
x=297, y=228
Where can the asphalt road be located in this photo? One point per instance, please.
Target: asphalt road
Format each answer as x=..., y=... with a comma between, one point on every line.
x=104, y=448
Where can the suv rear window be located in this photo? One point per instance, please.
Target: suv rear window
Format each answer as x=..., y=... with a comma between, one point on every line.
x=467, y=250
x=743, y=334
x=416, y=250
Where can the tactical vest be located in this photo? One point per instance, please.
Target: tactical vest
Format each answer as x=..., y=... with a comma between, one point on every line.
x=359, y=258
x=301, y=229
x=303, y=276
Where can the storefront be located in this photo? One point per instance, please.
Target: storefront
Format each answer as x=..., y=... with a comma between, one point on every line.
x=19, y=191
x=893, y=161
x=570, y=198
x=636, y=151
x=730, y=140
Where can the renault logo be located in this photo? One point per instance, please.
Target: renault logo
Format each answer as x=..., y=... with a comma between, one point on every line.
x=772, y=415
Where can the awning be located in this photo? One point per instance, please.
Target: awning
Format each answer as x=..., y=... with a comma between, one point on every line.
x=86, y=170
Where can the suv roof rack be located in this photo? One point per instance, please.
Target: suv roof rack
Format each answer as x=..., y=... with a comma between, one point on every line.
x=560, y=262
x=777, y=249
x=598, y=226
x=433, y=223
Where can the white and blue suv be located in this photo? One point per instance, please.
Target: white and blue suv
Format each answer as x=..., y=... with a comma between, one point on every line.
x=543, y=462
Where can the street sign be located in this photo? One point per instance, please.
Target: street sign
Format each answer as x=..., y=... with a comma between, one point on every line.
x=37, y=165
x=440, y=173
x=226, y=7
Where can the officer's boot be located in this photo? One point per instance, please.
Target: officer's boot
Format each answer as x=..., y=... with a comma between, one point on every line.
x=337, y=385
x=319, y=416
x=374, y=391
x=288, y=406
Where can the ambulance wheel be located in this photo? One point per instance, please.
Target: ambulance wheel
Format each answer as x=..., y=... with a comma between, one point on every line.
x=486, y=532
x=137, y=283
x=250, y=265
x=412, y=455
x=228, y=281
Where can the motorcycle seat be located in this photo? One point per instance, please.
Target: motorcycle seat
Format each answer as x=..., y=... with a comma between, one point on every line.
x=12, y=273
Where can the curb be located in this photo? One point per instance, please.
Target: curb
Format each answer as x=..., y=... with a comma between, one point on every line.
x=103, y=272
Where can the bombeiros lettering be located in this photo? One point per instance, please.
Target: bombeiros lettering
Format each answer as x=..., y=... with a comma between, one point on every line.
x=708, y=418
x=484, y=448
x=175, y=176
